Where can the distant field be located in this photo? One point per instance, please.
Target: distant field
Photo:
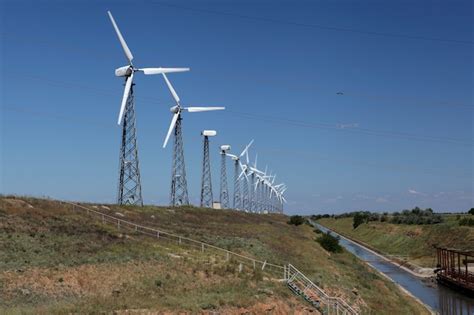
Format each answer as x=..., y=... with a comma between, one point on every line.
x=56, y=261
x=416, y=241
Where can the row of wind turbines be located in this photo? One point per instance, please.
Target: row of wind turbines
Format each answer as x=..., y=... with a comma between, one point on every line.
x=254, y=190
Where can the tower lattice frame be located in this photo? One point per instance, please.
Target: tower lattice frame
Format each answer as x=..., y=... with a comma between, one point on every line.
x=129, y=187
x=206, y=181
x=179, y=186
x=224, y=190
x=237, y=190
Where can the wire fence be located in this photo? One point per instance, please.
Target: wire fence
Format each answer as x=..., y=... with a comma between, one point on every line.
x=288, y=272
x=256, y=264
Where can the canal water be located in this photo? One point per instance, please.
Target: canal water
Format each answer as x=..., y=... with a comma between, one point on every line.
x=440, y=298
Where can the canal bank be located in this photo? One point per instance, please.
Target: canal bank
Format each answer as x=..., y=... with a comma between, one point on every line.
x=438, y=298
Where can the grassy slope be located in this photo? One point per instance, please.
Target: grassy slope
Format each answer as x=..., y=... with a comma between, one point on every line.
x=54, y=260
x=416, y=241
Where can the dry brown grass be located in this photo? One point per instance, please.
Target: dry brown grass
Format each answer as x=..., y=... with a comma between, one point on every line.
x=67, y=262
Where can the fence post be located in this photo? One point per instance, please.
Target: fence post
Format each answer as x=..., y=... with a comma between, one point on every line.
x=227, y=258
x=180, y=239
x=136, y=228
x=202, y=247
x=254, y=264
x=118, y=224
x=264, y=264
x=103, y=219
x=157, y=234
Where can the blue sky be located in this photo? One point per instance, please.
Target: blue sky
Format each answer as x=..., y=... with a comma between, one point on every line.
x=354, y=104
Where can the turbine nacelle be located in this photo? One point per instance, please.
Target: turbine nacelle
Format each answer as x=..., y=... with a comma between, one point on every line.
x=174, y=109
x=209, y=133
x=124, y=71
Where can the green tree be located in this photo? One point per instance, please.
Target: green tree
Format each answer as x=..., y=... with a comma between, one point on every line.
x=358, y=219
x=296, y=220
x=471, y=211
x=330, y=243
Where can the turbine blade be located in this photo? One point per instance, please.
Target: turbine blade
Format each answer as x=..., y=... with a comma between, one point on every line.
x=243, y=172
x=231, y=155
x=170, y=87
x=150, y=71
x=126, y=92
x=173, y=123
x=202, y=109
x=246, y=148
x=127, y=51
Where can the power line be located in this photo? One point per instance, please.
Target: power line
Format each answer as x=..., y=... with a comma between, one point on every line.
x=316, y=26
x=270, y=82
x=293, y=122
x=395, y=168
x=290, y=152
x=300, y=123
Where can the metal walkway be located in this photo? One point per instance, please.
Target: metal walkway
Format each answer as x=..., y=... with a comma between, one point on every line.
x=302, y=286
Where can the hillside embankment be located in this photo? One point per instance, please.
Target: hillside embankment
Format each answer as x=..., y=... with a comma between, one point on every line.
x=412, y=245
x=55, y=261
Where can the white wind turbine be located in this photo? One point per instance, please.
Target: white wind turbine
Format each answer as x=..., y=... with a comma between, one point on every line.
x=177, y=109
x=130, y=191
x=179, y=189
x=129, y=70
x=237, y=191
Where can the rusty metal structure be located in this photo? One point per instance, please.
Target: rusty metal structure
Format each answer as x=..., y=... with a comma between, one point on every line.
x=453, y=269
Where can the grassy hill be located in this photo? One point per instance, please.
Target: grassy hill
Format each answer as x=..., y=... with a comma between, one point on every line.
x=54, y=260
x=416, y=241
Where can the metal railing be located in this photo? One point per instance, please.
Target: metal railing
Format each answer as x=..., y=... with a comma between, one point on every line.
x=328, y=304
x=334, y=305
x=159, y=234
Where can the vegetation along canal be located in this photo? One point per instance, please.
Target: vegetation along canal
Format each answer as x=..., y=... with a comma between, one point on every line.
x=440, y=298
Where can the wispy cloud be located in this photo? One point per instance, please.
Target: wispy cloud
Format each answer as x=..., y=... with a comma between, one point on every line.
x=346, y=126
x=414, y=192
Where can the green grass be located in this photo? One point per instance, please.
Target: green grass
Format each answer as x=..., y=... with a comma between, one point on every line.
x=414, y=241
x=68, y=263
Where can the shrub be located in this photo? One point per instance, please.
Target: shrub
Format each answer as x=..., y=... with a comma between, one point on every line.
x=358, y=219
x=466, y=221
x=471, y=211
x=296, y=220
x=330, y=243
x=416, y=216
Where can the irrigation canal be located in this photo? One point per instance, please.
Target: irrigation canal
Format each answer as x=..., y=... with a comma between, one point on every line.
x=440, y=298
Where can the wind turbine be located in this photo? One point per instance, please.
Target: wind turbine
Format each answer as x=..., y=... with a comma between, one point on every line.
x=179, y=189
x=237, y=187
x=130, y=191
x=206, y=181
x=224, y=191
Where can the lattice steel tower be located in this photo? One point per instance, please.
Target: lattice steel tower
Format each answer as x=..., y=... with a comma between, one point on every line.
x=206, y=182
x=252, y=193
x=245, y=194
x=224, y=192
x=237, y=196
x=130, y=188
x=179, y=186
